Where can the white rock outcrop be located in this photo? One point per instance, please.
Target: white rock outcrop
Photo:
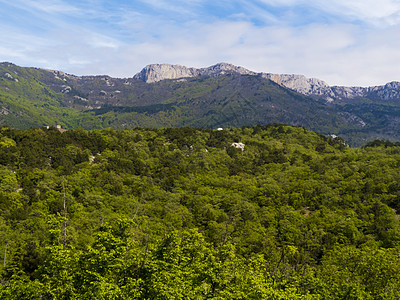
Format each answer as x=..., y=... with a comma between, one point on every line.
x=157, y=72
x=300, y=84
x=8, y=76
x=238, y=146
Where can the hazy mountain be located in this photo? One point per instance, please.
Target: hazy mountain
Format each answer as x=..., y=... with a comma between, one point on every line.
x=222, y=95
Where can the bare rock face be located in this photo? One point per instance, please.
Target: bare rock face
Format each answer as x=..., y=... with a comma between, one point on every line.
x=342, y=92
x=300, y=84
x=8, y=76
x=158, y=72
x=223, y=69
x=385, y=92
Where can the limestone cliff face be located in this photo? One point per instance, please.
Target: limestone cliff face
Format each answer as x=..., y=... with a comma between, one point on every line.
x=158, y=72
x=298, y=83
x=301, y=84
x=223, y=69
x=344, y=92
x=385, y=92
x=316, y=87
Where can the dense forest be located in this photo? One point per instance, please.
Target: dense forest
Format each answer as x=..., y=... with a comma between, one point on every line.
x=264, y=212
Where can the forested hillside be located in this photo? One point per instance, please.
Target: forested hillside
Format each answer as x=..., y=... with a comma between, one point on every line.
x=265, y=212
x=32, y=97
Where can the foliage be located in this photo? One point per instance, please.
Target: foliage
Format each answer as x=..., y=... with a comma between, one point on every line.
x=183, y=214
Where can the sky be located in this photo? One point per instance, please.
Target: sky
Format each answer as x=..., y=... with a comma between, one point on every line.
x=343, y=42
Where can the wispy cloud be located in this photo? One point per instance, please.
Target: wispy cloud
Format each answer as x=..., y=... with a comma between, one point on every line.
x=343, y=42
x=55, y=6
x=332, y=53
x=383, y=12
x=52, y=6
x=180, y=7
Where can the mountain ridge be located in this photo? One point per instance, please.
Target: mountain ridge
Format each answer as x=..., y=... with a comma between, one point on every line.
x=222, y=95
x=313, y=87
x=157, y=72
x=299, y=83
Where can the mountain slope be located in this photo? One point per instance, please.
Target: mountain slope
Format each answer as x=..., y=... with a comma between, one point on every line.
x=218, y=96
x=229, y=101
x=299, y=83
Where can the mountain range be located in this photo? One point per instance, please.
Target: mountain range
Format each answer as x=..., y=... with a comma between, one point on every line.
x=222, y=95
x=299, y=83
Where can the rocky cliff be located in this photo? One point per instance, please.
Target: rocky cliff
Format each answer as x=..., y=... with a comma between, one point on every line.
x=299, y=83
x=157, y=72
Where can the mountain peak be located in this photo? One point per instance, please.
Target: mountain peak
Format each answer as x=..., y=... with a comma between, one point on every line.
x=157, y=72
x=300, y=83
x=224, y=68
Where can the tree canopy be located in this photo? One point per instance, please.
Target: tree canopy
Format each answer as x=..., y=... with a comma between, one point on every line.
x=185, y=214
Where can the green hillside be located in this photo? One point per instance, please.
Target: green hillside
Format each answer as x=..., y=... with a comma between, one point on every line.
x=32, y=97
x=264, y=212
x=226, y=101
x=27, y=101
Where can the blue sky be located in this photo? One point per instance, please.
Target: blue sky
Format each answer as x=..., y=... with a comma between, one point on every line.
x=342, y=42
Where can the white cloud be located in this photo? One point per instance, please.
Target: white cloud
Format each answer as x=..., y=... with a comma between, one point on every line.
x=97, y=40
x=10, y=54
x=347, y=54
x=382, y=12
x=181, y=7
x=331, y=53
x=338, y=54
x=46, y=6
x=51, y=6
